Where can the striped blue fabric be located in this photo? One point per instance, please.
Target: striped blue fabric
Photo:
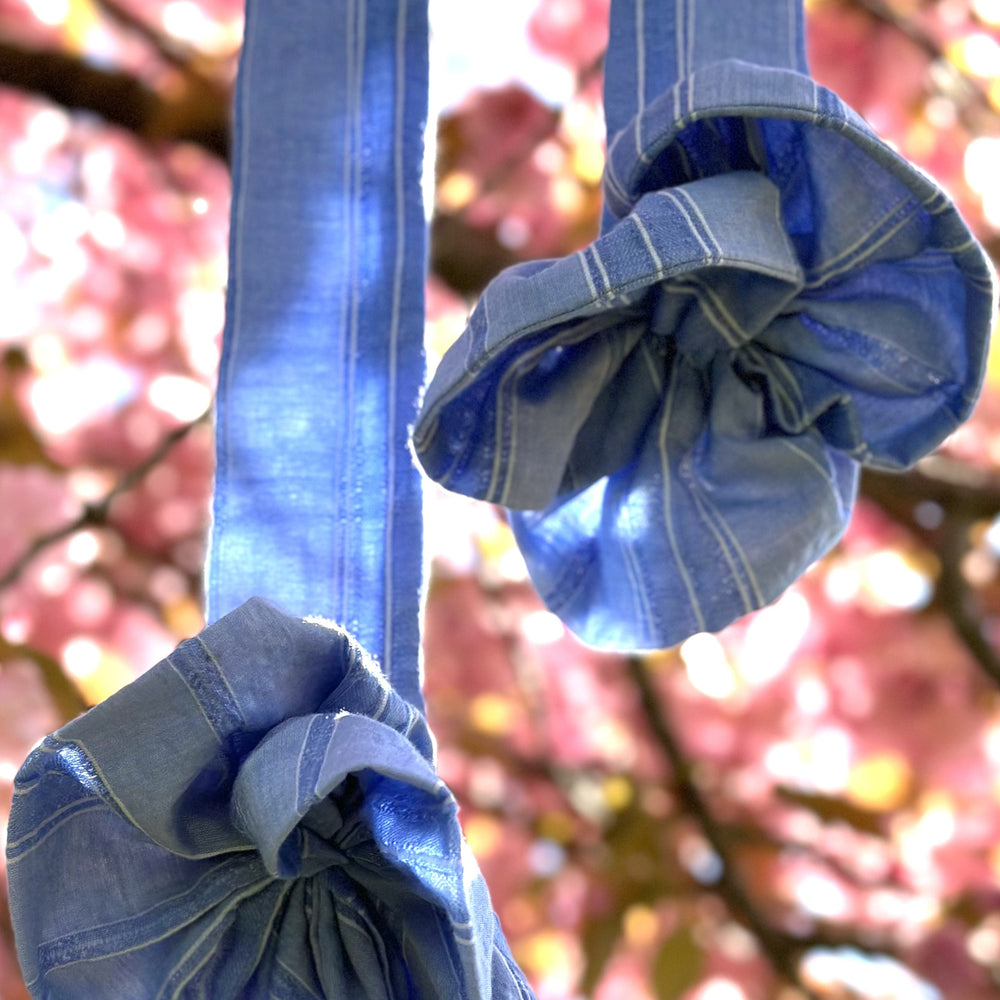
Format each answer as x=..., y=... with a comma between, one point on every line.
x=317, y=504
x=258, y=817
x=677, y=414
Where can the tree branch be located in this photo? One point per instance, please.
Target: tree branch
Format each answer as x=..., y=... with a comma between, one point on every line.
x=96, y=514
x=68, y=701
x=962, y=88
x=181, y=57
x=966, y=495
x=953, y=485
x=199, y=114
x=783, y=952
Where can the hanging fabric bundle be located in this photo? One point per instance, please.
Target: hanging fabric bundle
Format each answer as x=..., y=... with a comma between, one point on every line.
x=677, y=414
x=679, y=410
x=259, y=815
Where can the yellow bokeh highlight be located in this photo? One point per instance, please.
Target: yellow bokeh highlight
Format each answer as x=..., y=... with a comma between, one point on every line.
x=456, y=191
x=566, y=196
x=588, y=162
x=993, y=359
x=880, y=781
x=618, y=792
x=183, y=617
x=921, y=139
x=640, y=926
x=492, y=713
x=81, y=19
x=549, y=953
x=559, y=827
x=110, y=674
x=495, y=541
x=936, y=823
x=977, y=54
x=483, y=834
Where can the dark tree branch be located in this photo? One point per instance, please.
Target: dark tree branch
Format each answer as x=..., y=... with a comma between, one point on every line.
x=69, y=703
x=179, y=56
x=963, y=89
x=966, y=495
x=97, y=514
x=955, y=597
x=199, y=114
x=782, y=951
x=119, y=98
x=953, y=485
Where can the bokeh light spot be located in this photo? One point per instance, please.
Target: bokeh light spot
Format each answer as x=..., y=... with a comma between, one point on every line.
x=640, y=925
x=483, y=834
x=492, y=713
x=821, y=896
x=772, y=638
x=542, y=628
x=880, y=781
x=988, y=11
x=52, y=12
x=981, y=54
x=708, y=669
x=83, y=548
x=896, y=581
x=456, y=191
x=184, y=20
x=81, y=657
x=719, y=988
x=182, y=398
x=63, y=400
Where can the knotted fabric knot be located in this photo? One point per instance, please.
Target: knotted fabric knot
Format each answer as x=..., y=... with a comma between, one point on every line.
x=677, y=413
x=269, y=822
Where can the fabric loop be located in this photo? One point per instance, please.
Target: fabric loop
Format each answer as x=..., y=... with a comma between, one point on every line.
x=302, y=819
x=776, y=297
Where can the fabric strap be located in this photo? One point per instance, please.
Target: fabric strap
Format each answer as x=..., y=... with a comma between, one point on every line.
x=654, y=45
x=264, y=802
x=317, y=503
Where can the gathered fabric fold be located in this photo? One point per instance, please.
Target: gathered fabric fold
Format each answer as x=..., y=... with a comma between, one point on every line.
x=277, y=830
x=677, y=414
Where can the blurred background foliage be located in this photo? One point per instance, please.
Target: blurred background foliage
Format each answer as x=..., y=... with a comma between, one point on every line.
x=805, y=805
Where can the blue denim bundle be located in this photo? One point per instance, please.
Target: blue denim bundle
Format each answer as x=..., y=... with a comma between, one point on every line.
x=257, y=816
x=676, y=415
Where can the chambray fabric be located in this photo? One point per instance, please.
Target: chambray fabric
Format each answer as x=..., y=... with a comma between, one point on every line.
x=259, y=817
x=677, y=414
x=317, y=505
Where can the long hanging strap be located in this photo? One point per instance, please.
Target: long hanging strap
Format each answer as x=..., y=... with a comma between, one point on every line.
x=317, y=504
x=264, y=799
x=654, y=45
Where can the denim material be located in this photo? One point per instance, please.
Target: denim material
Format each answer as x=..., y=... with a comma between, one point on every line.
x=677, y=414
x=258, y=816
x=317, y=503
